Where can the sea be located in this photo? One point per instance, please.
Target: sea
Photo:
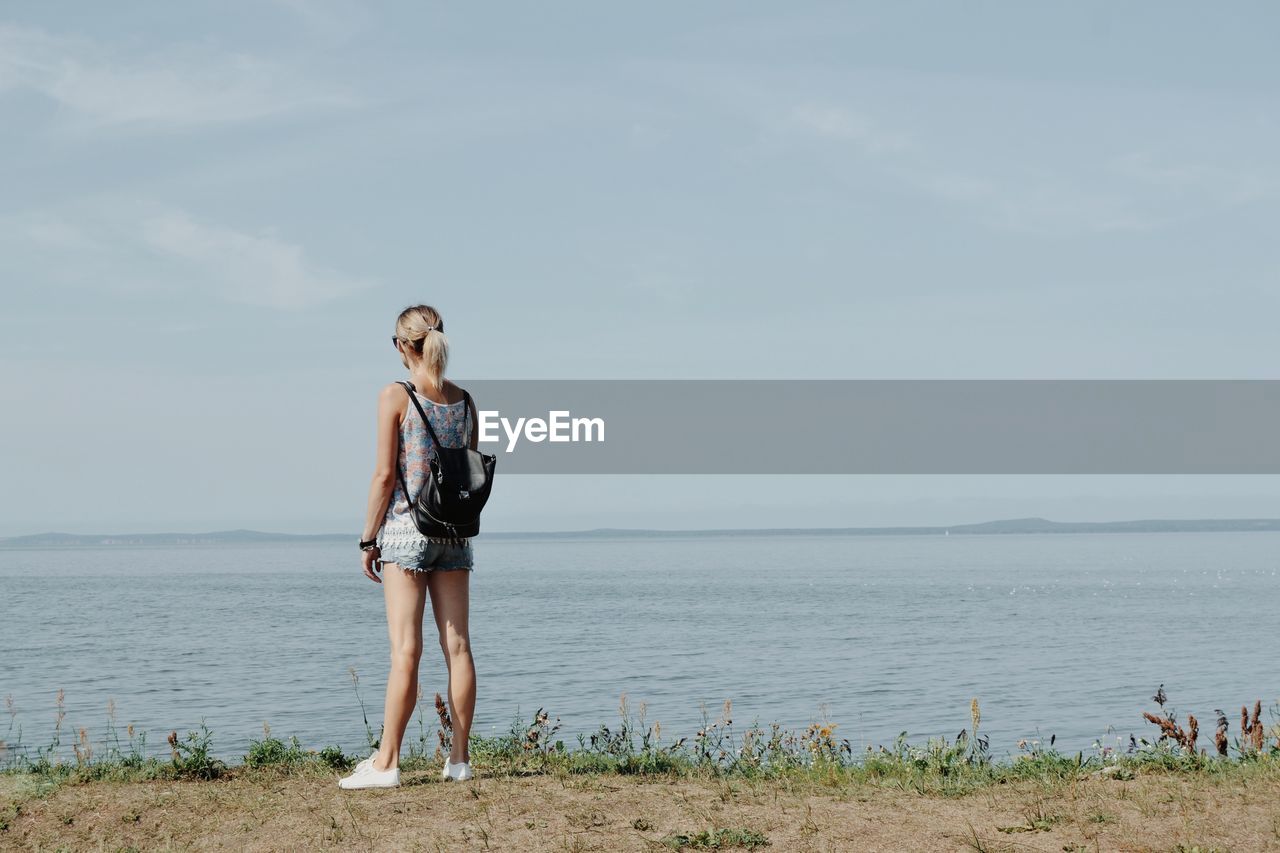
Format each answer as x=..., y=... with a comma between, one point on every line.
x=1059, y=637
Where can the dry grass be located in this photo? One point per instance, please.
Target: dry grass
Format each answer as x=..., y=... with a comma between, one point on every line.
x=624, y=790
x=304, y=809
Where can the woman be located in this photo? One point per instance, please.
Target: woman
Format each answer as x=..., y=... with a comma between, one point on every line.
x=412, y=565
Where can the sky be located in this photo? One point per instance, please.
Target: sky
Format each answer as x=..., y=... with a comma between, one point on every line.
x=211, y=214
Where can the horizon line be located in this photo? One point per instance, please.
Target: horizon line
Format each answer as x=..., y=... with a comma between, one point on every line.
x=1027, y=521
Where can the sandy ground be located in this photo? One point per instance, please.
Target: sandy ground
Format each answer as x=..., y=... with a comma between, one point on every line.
x=264, y=810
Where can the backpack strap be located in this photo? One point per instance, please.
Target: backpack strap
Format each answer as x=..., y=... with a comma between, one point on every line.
x=408, y=386
x=475, y=426
x=475, y=418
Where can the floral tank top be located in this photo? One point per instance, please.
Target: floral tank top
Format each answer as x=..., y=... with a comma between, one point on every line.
x=451, y=423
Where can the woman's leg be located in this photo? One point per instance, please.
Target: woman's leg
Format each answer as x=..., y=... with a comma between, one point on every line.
x=450, y=601
x=405, y=593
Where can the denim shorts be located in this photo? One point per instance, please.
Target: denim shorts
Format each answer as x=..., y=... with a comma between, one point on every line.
x=430, y=556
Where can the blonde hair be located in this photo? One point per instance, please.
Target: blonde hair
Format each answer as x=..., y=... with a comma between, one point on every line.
x=420, y=328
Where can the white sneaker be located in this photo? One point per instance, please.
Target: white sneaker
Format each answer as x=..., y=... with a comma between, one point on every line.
x=444, y=774
x=366, y=776
x=457, y=772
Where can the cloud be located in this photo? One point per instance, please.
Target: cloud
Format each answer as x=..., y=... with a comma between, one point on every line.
x=1033, y=202
x=841, y=124
x=187, y=85
x=249, y=268
x=1003, y=195
x=1222, y=185
x=331, y=21
x=138, y=252
x=55, y=232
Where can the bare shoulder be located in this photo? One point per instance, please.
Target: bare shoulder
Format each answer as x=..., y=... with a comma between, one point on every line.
x=391, y=405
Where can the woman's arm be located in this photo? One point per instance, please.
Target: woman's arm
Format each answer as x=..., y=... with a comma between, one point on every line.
x=388, y=455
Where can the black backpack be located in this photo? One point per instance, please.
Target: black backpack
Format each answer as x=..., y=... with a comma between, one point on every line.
x=458, y=484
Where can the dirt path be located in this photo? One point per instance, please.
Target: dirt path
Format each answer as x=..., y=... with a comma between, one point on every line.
x=264, y=811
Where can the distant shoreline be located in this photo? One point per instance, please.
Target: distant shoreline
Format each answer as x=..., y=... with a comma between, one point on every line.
x=986, y=528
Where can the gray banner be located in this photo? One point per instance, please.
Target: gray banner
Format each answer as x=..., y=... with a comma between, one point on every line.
x=881, y=426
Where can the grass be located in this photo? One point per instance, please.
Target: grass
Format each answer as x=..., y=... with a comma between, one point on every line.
x=619, y=781
x=716, y=839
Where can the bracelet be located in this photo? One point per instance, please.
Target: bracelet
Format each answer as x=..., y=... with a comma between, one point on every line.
x=368, y=545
